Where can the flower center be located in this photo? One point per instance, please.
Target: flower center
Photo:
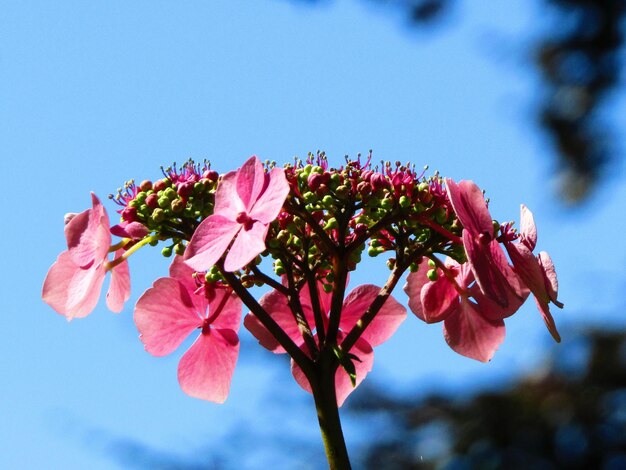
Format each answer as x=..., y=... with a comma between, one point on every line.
x=206, y=326
x=244, y=219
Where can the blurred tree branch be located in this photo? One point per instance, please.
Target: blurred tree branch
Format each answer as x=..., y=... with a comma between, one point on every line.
x=579, y=62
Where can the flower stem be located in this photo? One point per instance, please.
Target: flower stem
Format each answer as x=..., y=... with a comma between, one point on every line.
x=328, y=413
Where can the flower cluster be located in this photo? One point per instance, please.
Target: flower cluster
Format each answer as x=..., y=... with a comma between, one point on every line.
x=313, y=222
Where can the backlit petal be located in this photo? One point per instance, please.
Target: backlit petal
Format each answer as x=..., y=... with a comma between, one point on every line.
x=528, y=230
x=439, y=299
x=275, y=304
x=470, y=207
x=413, y=288
x=251, y=181
x=119, y=288
x=343, y=385
x=270, y=202
x=227, y=202
x=206, y=370
x=230, y=306
x=165, y=316
x=210, y=241
x=386, y=321
x=71, y=290
x=87, y=234
x=247, y=245
x=470, y=334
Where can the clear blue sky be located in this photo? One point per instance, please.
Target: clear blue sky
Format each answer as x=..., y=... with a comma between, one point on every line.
x=95, y=93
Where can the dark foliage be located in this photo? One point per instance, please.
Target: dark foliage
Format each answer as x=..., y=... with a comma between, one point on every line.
x=572, y=415
x=579, y=62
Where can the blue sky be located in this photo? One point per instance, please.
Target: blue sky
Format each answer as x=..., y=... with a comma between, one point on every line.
x=95, y=93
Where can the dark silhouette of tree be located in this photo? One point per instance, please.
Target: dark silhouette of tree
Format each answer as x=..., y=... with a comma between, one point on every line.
x=570, y=415
x=578, y=60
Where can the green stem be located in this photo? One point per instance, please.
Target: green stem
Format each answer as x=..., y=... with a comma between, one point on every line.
x=323, y=387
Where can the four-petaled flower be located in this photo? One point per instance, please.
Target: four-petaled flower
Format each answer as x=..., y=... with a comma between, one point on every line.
x=174, y=307
x=72, y=286
x=246, y=202
x=473, y=324
x=388, y=319
x=484, y=254
x=537, y=273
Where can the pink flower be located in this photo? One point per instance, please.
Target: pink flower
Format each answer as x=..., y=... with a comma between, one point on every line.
x=246, y=202
x=174, y=307
x=73, y=283
x=485, y=255
x=473, y=323
x=537, y=273
x=390, y=316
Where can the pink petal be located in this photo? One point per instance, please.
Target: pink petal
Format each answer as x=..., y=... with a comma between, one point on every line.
x=491, y=310
x=487, y=271
x=275, y=304
x=165, y=316
x=528, y=269
x=549, y=276
x=470, y=207
x=544, y=309
x=87, y=235
x=183, y=273
x=247, y=245
x=439, y=299
x=71, y=290
x=415, y=282
x=471, y=335
x=343, y=385
x=528, y=230
x=206, y=369
x=119, y=289
x=250, y=182
x=269, y=204
x=386, y=321
x=210, y=241
x=229, y=317
x=227, y=202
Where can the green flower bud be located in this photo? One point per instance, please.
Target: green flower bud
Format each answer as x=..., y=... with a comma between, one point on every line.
x=177, y=206
x=496, y=227
x=432, y=274
x=170, y=193
x=440, y=215
x=386, y=203
x=158, y=215
x=332, y=223
x=179, y=249
x=166, y=251
x=309, y=197
x=342, y=191
x=163, y=202
x=432, y=264
x=404, y=202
